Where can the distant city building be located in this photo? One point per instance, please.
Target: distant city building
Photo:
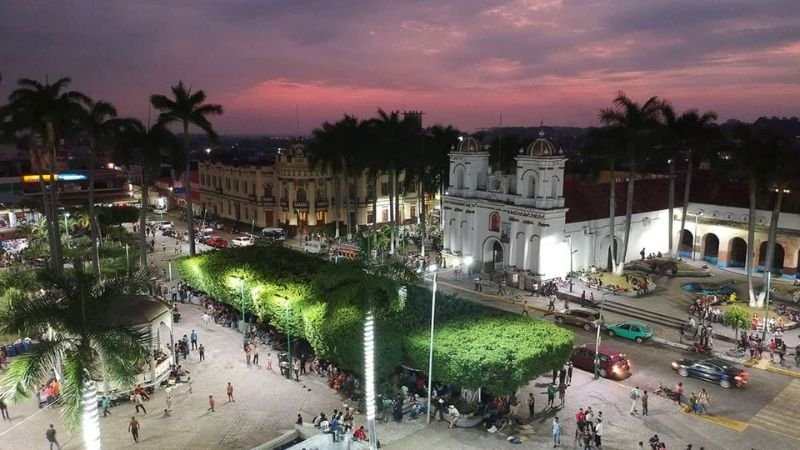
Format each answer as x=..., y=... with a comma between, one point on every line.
x=539, y=221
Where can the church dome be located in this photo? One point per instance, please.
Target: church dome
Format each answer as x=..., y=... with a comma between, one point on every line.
x=297, y=150
x=542, y=147
x=468, y=144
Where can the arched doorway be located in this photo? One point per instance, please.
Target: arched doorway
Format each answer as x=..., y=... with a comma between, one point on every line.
x=533, y=254
x=777, y=258
x=607, y=252
x=459, y=177
x=686, y=244
x=737, y=252
x=164, y=340
x=711, y=248
x=493, y=254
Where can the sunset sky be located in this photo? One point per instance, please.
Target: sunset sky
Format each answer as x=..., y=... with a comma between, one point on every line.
x=463, y=62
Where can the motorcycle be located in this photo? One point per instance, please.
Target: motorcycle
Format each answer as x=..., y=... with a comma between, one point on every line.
x=664, y=391
x=697, y=347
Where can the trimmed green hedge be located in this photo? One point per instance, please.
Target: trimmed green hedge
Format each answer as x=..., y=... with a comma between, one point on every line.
x=500, y=352
x=327, y=304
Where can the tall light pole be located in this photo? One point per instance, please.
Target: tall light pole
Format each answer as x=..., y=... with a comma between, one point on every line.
x=66, y=224
x=242, y=322
x=597, y=341
x=766, y=303
x=694, y=238
x=369, y=377
x=431, y=268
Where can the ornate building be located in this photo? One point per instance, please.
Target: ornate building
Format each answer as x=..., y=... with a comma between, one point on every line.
x=290, y=192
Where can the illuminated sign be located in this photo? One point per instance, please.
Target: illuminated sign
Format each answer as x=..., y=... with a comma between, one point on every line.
x=59, y=176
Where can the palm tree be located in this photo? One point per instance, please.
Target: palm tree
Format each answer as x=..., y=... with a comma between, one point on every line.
x=442, y=142
x=75, y=307
x=696, y=133
x=637, y=124
x=154, y=144
x=335, y=148
x=187, y=108
x=47, y=112
x=603, y=145
x=745, y=148
x=100, y=124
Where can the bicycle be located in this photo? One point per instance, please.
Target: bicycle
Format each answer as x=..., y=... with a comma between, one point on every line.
x=737, y=352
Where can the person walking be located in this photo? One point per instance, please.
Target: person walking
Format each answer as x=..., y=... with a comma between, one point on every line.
x=211, y=403
x=562, y=376
x=229, y=391
x=635, y=394
x=202, y=351
x=133, y=429
x=4, y=410
x=556, y=432
x=296, y=368
x=562, y=390
x=551, y=304
x=106, y=406
x=137, y=401
x=269, y=361
x=644, y=403
x=531, y=405
x=704, y=400
x=248, y=353
x=569, y=373
x=599, y=429
x=551, y=395
x=194, y=340
x=255, y=354
x=525, y=308
x=51, y=437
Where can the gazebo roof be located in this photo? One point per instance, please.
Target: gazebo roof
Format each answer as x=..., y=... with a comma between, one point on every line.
x=135, y=309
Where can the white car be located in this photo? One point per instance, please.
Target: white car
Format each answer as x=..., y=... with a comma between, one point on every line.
x=242, y=241
x=316, y=247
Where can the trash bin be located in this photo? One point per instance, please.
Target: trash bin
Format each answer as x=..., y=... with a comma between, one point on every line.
x=19, y=348
x=27, y=346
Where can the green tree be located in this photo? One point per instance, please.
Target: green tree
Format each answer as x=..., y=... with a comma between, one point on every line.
x=637, y=124
x=48, y=113
x=187, y=108
x=75, y=307
x=736, y=317
x=498, y=353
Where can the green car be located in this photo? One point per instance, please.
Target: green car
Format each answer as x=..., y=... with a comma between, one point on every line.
x=636, y=331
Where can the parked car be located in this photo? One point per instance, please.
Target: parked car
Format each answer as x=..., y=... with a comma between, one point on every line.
x=162, y=224
x=635, y=331
x=316, y=247
x=242, y=241
x=216, y=242
x=276, y=234
x=612, y=363
x=713, y=370
x=588, y=319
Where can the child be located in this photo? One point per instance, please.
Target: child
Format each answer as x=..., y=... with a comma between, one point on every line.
x=269, y=361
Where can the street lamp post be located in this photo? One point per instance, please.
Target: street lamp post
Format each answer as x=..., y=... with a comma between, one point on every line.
x=66, y=224
x=431, y=268
x=766, y=303
x=242, y=322
x=597, y=340
x=127, y=258
x=369, y=378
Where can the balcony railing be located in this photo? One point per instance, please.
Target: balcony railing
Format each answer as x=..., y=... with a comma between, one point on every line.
x=300, y=205
x=285, y=204
x=321, y=203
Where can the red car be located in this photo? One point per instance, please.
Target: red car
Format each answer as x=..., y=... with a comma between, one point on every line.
x=612, y=363
x=217, y=242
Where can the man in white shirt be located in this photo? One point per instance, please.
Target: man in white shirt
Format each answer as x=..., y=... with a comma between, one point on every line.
x=325, y=426
x=454, y=415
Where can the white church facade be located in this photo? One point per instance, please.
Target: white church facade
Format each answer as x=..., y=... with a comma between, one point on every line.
x=521, y=221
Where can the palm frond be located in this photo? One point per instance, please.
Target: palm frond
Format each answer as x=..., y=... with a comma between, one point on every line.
x=29, y=370
x=77, y=376
x=26, y=318
x=122, y=350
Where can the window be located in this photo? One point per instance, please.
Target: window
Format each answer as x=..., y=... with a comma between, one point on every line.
x=370, y=190
x=384, y=188
x=413, y=211
x=370, y=217
x=384, y=215
x=267, y=190
x=246, y=213
x=236, y=185
x=494, y=222
x=411, y=188
x=227, y=183
x=300, y=195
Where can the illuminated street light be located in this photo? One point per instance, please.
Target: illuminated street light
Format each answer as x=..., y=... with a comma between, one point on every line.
x=431, y=268
x=369, y=377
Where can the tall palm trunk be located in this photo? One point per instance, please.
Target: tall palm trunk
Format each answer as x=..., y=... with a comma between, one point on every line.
x=773, y=231
x=58, y=263
x=671, y=206
x=187, y=186
x=90, y=419
x=391, y=212
x=422, y=218
x=92, y=222
x=375, y=203
x=347, y=182
x=612, y=216
x=143, y=223
x=686, y=189
x=751, y=240
x=628, y=215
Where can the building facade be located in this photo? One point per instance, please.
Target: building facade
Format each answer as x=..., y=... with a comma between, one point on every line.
x=290, y=192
